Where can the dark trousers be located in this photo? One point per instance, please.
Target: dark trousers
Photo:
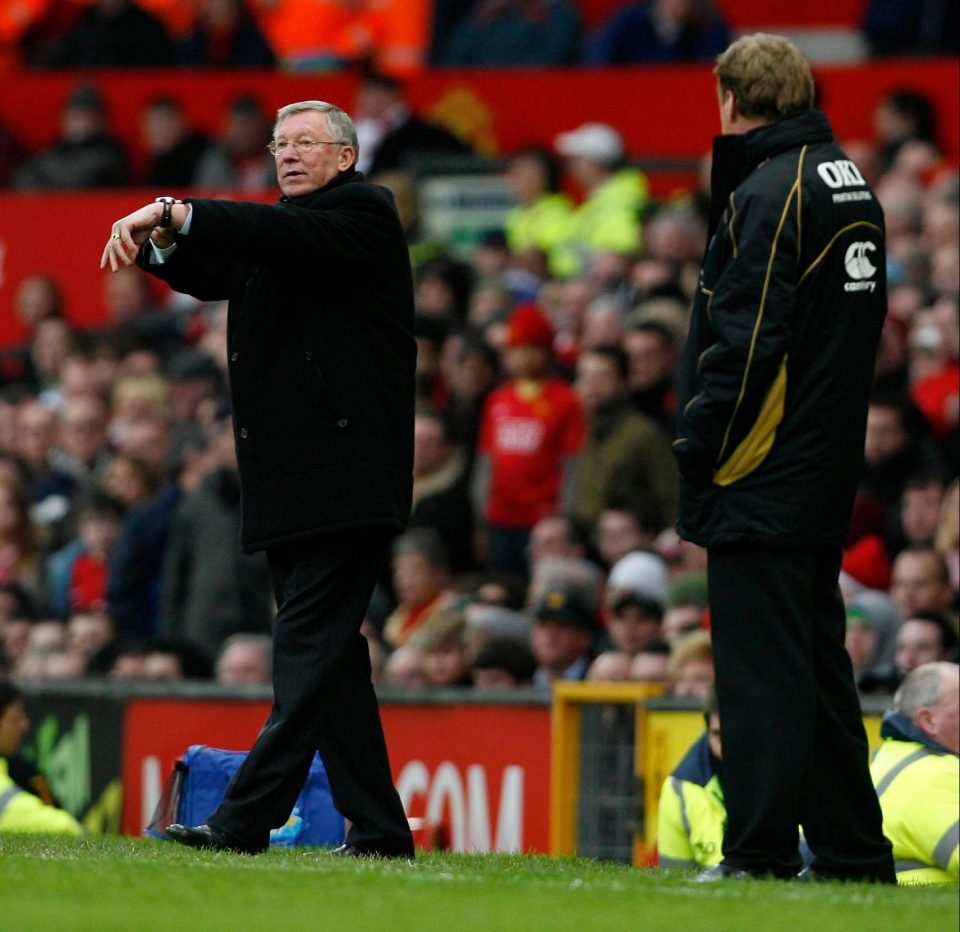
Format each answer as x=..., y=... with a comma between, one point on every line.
x=323, y=700
x=794, y=747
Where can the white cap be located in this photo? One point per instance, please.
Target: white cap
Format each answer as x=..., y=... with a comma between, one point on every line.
x=596, y=141
x=640, y=572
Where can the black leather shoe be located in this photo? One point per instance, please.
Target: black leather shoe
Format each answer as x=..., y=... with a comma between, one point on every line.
x=723, y=872
x=811, y=875
x=347, y=850
x=206, y=836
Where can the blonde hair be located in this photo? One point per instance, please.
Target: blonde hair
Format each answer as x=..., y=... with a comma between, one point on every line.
x=148, y=392
x=768, y=76
x=948, y=533
x=695, y=646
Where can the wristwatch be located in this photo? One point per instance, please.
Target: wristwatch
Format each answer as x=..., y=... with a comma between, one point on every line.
x=166, y=221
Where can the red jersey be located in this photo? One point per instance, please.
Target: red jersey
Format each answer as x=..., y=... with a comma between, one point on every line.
x=88, y=584
x=527, y=440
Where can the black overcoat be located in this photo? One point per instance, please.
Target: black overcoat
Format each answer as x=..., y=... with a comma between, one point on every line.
x=321, y=350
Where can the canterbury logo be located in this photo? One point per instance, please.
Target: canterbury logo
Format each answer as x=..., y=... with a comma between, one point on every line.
x=859, y=267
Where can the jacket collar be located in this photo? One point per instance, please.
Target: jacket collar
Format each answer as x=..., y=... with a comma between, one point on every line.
x=899, y=728
x=807, y=128
x=736, y=155
x=305, y=200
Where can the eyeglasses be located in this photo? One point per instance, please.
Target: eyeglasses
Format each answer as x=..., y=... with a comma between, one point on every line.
x=303, y=146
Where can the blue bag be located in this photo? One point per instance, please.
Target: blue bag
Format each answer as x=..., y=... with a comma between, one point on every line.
x=200, y=779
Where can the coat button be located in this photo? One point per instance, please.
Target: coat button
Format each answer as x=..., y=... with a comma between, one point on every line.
x=243, y=433
x=234, y=357
x=343, y=422
x=308, y=356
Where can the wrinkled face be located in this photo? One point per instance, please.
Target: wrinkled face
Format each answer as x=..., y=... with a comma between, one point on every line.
x=944, y=721
x=302, y=172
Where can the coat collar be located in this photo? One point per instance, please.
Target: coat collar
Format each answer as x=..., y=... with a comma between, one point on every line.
x=305, y=200
x=899, y=728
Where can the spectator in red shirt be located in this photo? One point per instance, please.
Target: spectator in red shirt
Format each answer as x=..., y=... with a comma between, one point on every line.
x=531, y=433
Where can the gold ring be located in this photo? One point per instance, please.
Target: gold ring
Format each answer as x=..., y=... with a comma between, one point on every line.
x=116, y=236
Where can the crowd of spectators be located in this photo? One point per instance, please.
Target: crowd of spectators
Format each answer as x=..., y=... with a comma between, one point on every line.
x=541, y=542
x=404, y=36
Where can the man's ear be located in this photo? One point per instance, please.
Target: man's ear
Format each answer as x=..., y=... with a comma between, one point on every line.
x=925, y=721
x=728, y=105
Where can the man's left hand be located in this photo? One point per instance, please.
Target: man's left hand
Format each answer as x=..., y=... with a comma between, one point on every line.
x=128, y=234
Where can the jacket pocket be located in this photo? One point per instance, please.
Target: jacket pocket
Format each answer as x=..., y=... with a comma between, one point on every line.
x=755, y=447
x=333, y=414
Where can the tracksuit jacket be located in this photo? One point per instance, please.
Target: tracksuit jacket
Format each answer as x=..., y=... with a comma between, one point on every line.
x=776, y=374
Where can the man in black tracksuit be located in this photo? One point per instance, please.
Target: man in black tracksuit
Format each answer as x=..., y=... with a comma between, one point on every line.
x=322, y=359
x=773, y=392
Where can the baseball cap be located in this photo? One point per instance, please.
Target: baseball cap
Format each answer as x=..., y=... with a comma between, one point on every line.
x=596, y=141
x=640, y=572
x=641, y=600
x=566, y=606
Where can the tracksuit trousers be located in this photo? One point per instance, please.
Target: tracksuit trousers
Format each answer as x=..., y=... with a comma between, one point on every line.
x=794, y=747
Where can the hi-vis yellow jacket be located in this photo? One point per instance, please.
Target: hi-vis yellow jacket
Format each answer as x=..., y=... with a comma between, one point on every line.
x=692, y=815
x=918, y=783
x=608, y=220
x=543, y=225
x=21, y=811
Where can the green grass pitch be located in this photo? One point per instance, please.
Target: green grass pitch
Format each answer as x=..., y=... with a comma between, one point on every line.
x=106, y=884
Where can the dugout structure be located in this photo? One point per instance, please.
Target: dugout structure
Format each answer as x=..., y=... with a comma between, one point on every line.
x=613, y=745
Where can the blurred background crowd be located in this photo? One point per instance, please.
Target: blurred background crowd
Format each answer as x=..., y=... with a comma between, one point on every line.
x=541, y=543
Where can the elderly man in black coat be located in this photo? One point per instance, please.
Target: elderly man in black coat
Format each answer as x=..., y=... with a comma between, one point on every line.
x=322, y=358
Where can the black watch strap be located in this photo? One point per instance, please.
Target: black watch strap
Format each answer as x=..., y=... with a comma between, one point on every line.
x=166, y=221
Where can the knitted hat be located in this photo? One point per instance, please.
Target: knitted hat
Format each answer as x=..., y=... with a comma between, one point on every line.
x=867, y=562
x=529, y=326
